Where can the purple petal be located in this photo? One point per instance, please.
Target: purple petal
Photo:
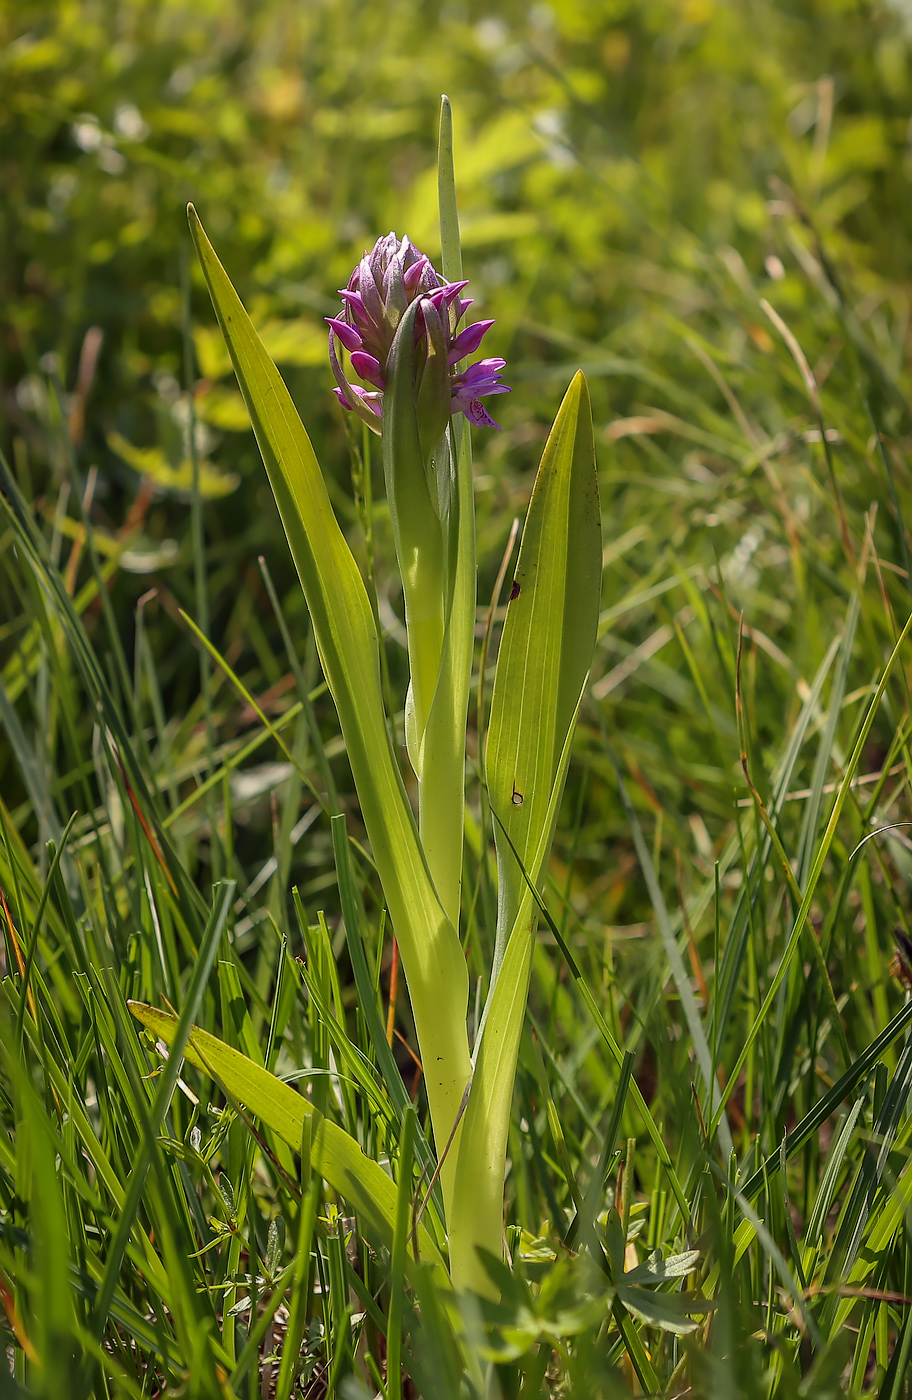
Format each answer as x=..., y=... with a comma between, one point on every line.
x=370, y=291
x=368, y=406
x=485, y=367
x=476, y=382
x=368, y=399
x=465, y=393
x=349, y=337
x=412, y=275
x=349, y=395
x=383, y=250
x=355, y=302
x=479, y=380
x=447, y=294
x=369, y=368
x=478, y=414
x=468, y=341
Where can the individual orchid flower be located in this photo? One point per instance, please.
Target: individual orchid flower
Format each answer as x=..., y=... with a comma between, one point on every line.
x=381, y=288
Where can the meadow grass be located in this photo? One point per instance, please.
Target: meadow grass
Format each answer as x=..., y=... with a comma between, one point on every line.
x=716, y=1056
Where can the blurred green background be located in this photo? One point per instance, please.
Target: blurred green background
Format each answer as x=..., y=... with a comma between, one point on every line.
x=633, y=178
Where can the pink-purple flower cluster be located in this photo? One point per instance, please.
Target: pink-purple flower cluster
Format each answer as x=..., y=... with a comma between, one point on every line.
x=382, y=286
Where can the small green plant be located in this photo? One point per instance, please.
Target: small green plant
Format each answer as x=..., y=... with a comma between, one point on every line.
x=400, y=328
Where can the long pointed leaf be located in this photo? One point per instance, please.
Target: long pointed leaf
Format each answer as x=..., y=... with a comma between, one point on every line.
x=347, y=642
x=546, y=649
x=334, y=1155
x=544, y=661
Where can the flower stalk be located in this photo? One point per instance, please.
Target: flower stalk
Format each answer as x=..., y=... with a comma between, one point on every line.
x=400, y=325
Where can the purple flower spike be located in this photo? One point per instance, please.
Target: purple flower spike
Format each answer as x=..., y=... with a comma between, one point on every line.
x=381, y=288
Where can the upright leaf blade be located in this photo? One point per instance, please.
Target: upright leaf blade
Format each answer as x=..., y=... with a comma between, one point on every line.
x=546, y=650
x=347, y=642
x=544, y=661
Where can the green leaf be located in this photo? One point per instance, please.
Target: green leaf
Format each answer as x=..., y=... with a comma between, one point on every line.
x=430, y=495
x=334, y=1154
x=655, y=1269
x=545, y=652
x=671, y=1312
x=346, y=639
x=416, y=510
x=545, y=655
x=152, y=462
x=450, y=245
x=52, y=1301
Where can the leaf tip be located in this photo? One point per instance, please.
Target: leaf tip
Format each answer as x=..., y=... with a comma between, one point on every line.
x=197, y=232
x=141, y=1010
x=581, y=385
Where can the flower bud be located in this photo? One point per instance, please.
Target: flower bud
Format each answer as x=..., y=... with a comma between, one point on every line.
x=381, y=288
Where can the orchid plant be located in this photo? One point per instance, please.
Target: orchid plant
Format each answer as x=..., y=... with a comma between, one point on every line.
x=397, y=352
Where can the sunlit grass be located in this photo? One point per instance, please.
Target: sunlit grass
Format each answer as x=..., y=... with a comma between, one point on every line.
x=755, y=588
